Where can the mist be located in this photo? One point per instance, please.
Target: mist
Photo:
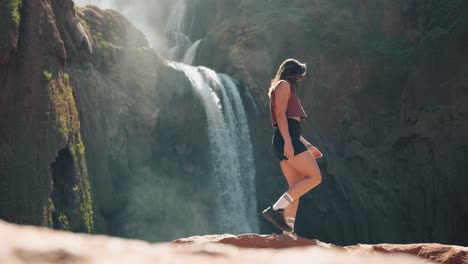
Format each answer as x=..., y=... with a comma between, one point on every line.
x=153, y=18
x=156, y=203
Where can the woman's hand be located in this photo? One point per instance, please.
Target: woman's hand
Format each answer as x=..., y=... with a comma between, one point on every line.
x=315, y=152
x=288, y=150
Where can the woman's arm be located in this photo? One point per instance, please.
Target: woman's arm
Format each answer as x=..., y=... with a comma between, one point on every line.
x=304, y=141
x=282, y=94
x=313, y=150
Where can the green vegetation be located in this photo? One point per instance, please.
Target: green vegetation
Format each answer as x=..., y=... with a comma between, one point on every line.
x=47, y=214
x=66, y=78
x=64, y=115
x=10, y=10
x=47, y=75
x=82, y=190
x=99, y=39
x=81, y=148
x=63, y=222
x=13, y=7
x=85, y=25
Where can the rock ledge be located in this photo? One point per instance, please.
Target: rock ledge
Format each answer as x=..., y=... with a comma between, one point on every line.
x=30, y=244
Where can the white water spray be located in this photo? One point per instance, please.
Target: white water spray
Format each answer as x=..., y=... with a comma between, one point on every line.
x=181, y=47
x=190, y=54
x=230, y=148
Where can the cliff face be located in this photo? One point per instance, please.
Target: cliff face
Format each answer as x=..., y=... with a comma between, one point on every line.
x=44, y=176
x=98, y=133
x=386, y=96
x=88, y=109
x=140, y=121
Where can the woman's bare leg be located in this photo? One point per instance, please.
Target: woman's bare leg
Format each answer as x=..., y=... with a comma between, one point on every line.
x=302, y=174
x=306, y=165
x=292, y=177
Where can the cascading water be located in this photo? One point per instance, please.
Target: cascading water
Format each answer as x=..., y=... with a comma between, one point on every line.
x=232, y=164
x=190, y=54
x=230, y=147
x=239, y=130
x=181, y=47
x=174, y=30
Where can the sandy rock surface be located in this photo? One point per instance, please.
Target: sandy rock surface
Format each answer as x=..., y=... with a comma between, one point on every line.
x=29, y=244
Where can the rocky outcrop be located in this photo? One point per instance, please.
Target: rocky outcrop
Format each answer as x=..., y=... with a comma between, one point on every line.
x=141, y=121
x=438, y=253
x=84, y=97
x=43, y=174
x=40, y=245
x=386, y=99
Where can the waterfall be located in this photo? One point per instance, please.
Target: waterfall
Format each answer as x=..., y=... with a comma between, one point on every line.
x=240, y=133
x=181, y=47
x=190, y=54
x=232, y=163
x=175, y=22
x=230, y=148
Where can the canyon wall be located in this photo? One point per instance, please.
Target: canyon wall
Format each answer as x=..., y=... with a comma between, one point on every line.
x=387, y=96
x=99, y=134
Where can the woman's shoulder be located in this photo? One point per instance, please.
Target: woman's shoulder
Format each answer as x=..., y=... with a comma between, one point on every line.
x=282, y=90
x=282, y=85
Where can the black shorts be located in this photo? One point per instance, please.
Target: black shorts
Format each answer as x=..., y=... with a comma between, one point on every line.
x=277, y=140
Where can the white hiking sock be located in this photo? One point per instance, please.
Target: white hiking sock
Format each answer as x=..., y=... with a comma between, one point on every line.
x=283, y=201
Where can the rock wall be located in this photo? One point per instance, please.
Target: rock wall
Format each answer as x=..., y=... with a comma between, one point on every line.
x=44, y=176
x=386, y=99
x=88, y=109
x=94, y=126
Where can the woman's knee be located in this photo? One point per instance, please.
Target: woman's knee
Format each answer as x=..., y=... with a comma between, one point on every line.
x=316, y=176
x=292, y=182
x=294, y=178
x=313, y=171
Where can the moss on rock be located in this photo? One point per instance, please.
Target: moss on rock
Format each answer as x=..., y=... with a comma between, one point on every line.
x=47, y=213
x=9, y=26
x=10, y=11
x=77, y=215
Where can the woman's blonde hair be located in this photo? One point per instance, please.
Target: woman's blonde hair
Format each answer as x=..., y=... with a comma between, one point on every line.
x=289, y=70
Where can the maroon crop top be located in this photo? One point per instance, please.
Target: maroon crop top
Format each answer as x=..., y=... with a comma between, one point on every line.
x=294, y=107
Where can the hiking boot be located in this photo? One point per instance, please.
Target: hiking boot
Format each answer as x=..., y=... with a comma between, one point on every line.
x=276, y=217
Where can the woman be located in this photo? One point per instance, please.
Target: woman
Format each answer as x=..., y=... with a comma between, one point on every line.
x=296, y=155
